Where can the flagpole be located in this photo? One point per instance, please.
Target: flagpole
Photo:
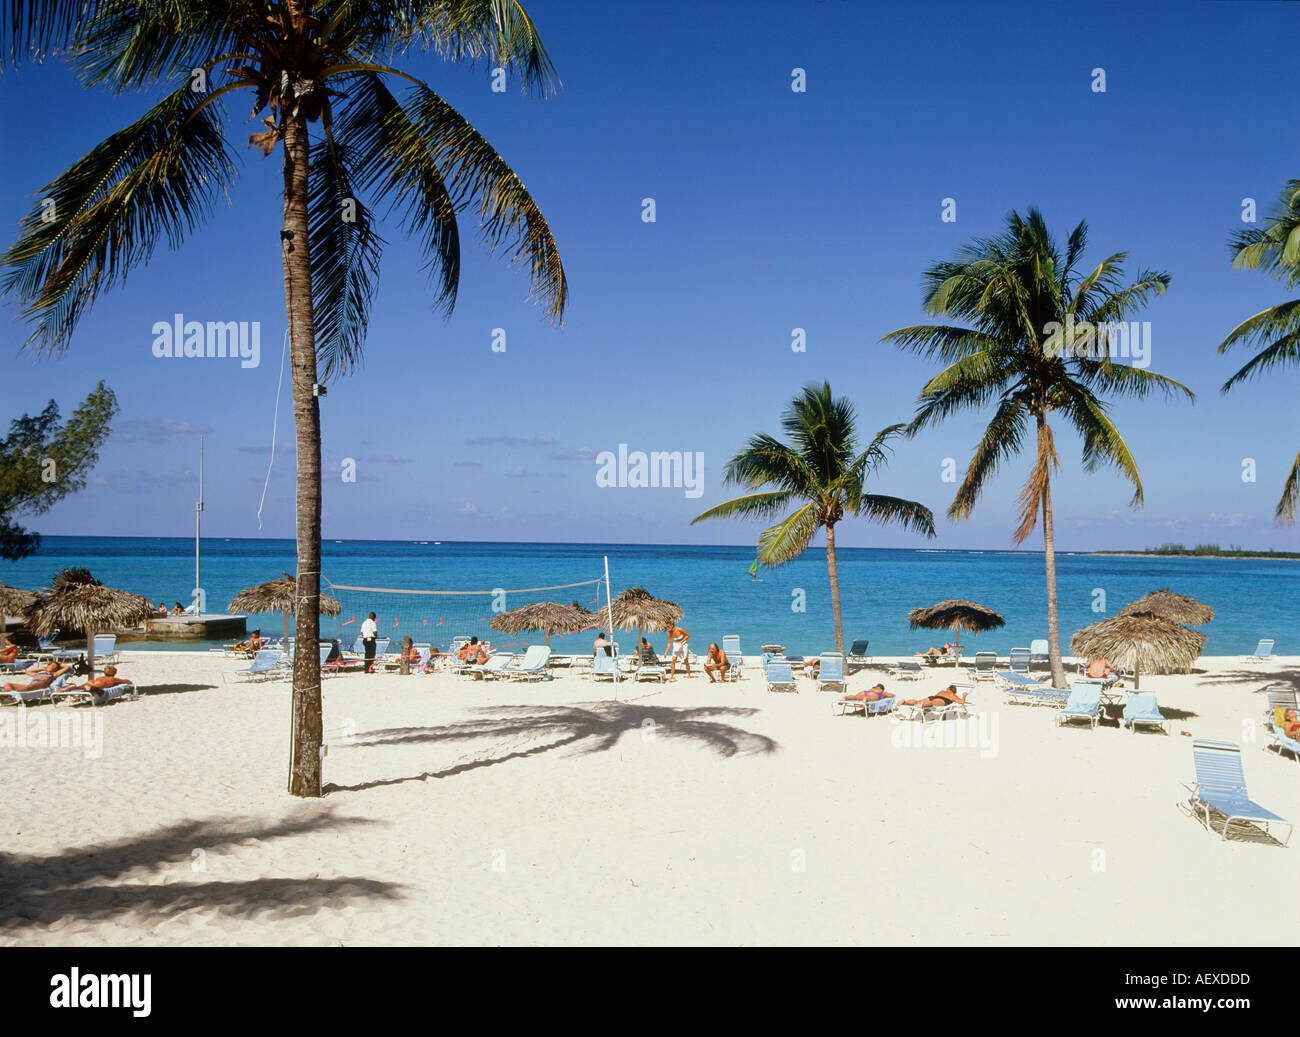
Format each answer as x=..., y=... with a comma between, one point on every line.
x=198, y=512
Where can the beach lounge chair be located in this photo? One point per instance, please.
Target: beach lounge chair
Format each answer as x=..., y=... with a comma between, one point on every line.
x=1019, y=660
x=81, y=697
x=1279, y=701
x=857, y=657
x=1084, y=703
x=907, y=671
x=494, y=667
x=603, y=666
x=532, y=666
x=1262, y=651
x=844, y=706
x=30, y=698
x=1220, y=786
x=650, y=668
x=778, y=677
x=949, y=658
x=266, y=665
x=1023, y=690
x=986, y=667
x=1142, y=709
x=1038, y=651
x=735, y=659
x=929, y=714
x=830, y=672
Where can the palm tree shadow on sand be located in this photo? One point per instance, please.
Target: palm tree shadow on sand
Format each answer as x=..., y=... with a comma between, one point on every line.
x=582, y=728
x=78, y=883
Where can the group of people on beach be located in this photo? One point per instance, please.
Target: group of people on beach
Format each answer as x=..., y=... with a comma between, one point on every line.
x=716, y=663
x=40, y=677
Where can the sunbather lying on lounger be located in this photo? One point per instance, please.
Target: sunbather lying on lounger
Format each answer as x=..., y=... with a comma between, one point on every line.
x=947, y=697
x=42, y=677
x=872, y=694
x=108, y=679
x=932, y=651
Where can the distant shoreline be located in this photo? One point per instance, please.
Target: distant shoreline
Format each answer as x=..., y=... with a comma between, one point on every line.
x=1268, y=556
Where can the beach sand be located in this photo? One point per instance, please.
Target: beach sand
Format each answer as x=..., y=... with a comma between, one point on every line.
x=490, y=813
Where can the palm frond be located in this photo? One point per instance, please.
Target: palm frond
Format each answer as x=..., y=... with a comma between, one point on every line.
x=1102, y=442
x=911, y=515
x=766, y=460
x=158, y=177
x=1286, y=506
x=1001, y=440
x=346, y=251
x=1040, y=475
x=789, y=538
x=754, y=505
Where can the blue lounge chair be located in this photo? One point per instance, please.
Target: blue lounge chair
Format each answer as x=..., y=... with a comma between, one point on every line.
x=1084, y=704
x=603, y=666
x=82, y=697
x=907, y=671
x=858, y=657
x=1142, y=709
x=1220, y=785
x=844, y=706
x=1020, y=660
x=1262, y=651
x=532, y=666
x=778, y=677
x=494, y=667
x=735, y=659
x=266, y=665
x=830, y=672
x=1026, y=691
x=30, y=698
x=1038, y=651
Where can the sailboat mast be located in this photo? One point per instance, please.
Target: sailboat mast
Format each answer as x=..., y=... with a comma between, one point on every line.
x=198, y=512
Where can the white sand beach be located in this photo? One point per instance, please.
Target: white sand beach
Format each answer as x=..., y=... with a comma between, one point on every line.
x=491, y=813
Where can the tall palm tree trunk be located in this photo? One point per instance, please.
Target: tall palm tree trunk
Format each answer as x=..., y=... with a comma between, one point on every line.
x=1053, y=621
x=305, y=759
x=835, y=587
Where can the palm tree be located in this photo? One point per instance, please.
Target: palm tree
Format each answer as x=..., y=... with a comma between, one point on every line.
x=1274, y=247
x=824, y=469
x=320, y=71
x=1023, y=303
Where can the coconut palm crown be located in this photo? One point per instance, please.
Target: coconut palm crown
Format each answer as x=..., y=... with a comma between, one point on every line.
x=356, y=135
x=1275, y=332
x=1017, y=294
x=823, y=472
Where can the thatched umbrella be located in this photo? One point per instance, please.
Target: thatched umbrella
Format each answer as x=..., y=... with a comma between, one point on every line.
x=279, y=596
x=956, y=615
x=547, y=616
x=1141, y=642
x=14, y=602
x=1176, y=608
x=78, y=601
x=637, y=607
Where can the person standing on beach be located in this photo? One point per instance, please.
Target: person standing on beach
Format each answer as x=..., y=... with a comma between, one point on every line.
x=678, y=648
x=369, y=633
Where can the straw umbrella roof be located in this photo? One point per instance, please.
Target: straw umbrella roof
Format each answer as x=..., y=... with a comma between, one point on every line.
x=279, y=596
x=78, y=601
x=1176, y=608
x=637, y=607
x=546, y=616
x=15, y=602
x=956, y=615
x=1144, y=643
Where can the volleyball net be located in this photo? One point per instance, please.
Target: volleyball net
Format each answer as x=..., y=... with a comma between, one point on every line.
x=438, y=617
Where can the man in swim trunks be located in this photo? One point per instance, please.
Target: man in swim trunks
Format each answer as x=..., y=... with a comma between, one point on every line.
x=932, y=651
x=947, y=697
x=716, y=662
x=109, y=679
x=678, y=648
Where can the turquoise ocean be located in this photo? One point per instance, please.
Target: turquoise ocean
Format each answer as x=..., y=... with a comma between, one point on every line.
x=789, y=605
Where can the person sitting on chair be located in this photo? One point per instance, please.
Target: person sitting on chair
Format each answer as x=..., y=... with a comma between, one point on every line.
x=716, y=662
x=1099, y=669
x=601, y=644
x=41, y=677
x=645, y=654
x=947, y=697
x=10, y=651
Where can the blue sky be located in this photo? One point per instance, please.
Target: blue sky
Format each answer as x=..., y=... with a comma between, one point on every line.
x=775, y=210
